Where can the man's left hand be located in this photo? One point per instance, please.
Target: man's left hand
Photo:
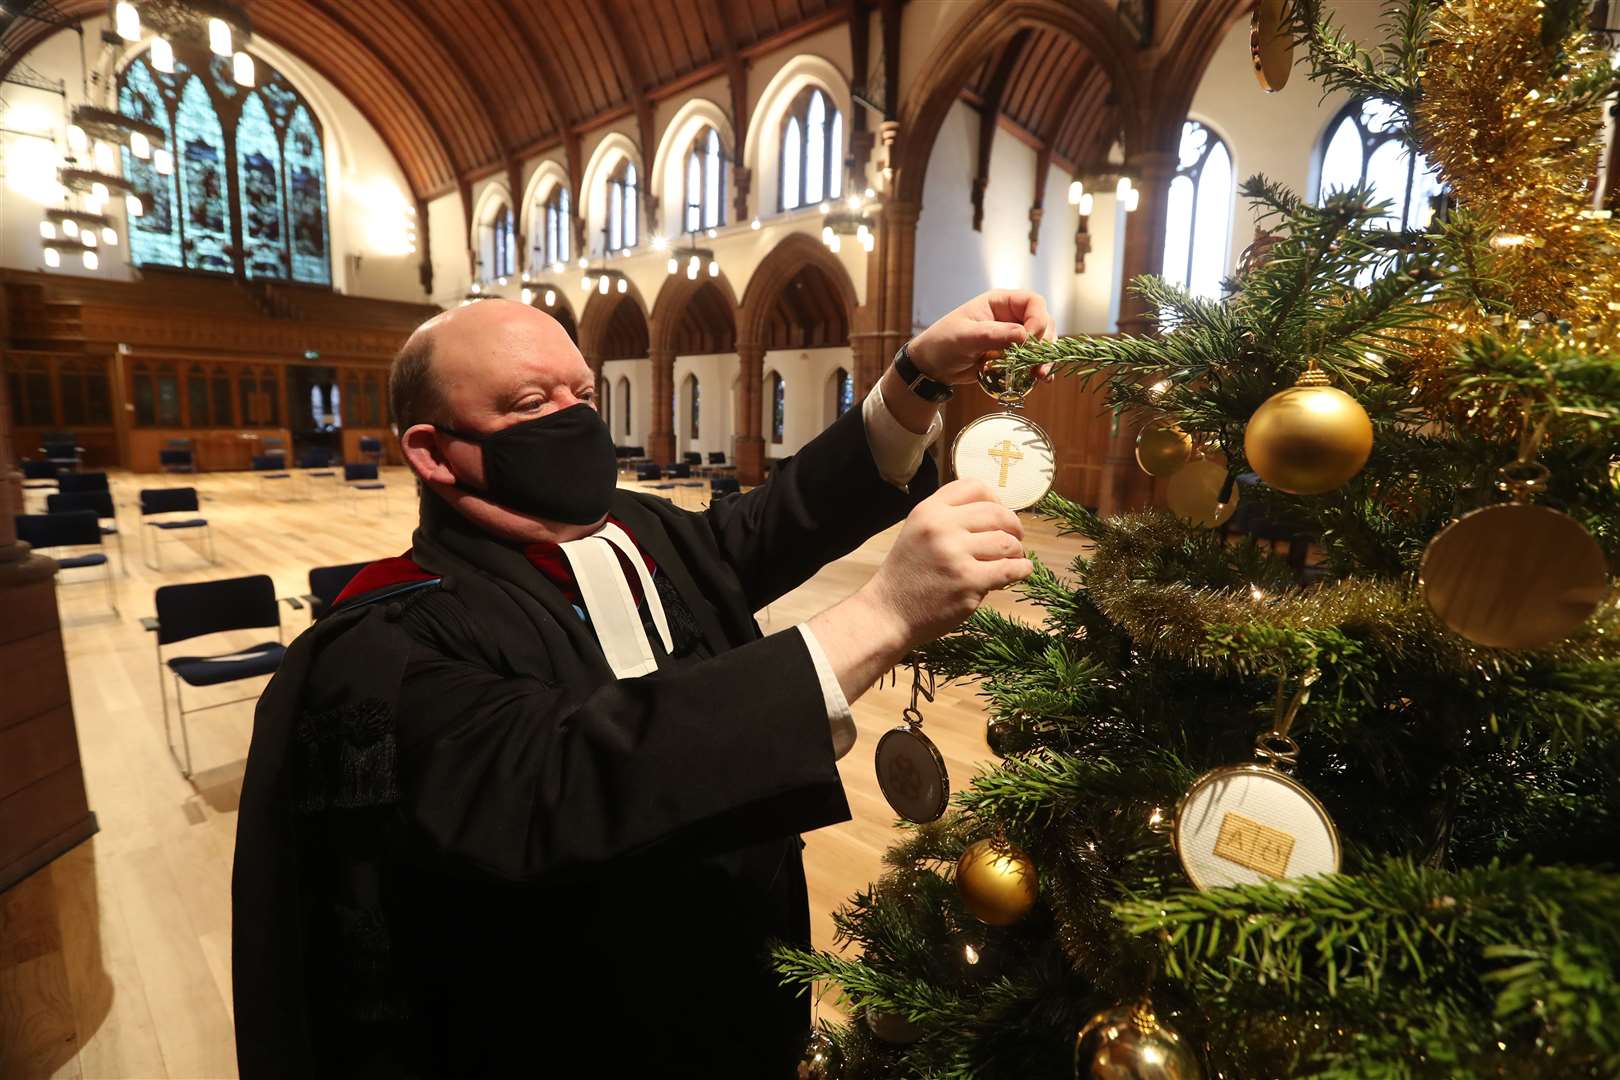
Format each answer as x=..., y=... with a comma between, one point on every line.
x=951, y=350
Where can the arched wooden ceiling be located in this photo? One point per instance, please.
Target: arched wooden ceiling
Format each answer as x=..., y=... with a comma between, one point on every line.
x=461, y=89
x=809, y=313
x=1054, y=95
x=708, y=324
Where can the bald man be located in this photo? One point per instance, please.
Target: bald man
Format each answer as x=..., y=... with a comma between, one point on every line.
x=528, y=801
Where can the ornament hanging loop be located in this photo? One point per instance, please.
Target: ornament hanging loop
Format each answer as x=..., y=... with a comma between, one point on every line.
x=1313, y=375
x=1275, y=747
x=1522, y=479
x=1007, y=386
x=922, y=686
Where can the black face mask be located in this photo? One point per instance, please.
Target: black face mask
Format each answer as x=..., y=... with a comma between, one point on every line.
x=560, y=467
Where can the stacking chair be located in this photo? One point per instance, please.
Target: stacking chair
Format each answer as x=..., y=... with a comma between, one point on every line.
x=649, y=471
x=176, y=460
x=99, y=501
x=364, y=478
x=717, y=457
x=315, y=465
x=371, y=448
x=270, y=467
x=61, y=449
x=723, y=485
x=84, y=481
x=39, y=475
x=680, y=471
x=212, y=607
x=171, y=501
x=326, y=582
x=74, y=529
x=692, y=457
x=276, y=446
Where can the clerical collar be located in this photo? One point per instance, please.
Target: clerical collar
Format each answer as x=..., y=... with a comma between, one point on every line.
x=606, y=591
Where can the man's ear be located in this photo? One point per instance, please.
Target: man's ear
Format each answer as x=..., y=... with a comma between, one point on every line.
x=420, y=445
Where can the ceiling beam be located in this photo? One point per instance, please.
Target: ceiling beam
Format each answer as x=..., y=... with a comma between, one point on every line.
x=990, y=107
x=643, y=107
x=472, y=73
x=559, y=95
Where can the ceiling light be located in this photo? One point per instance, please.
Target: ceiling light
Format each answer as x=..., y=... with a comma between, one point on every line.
x=1087, y=201
x=713, y=233
x=162, y=55
x=714, y=268
x=503, y=282
x=87, y=237
x=219, y=37
x=78, y=141
x=127, y=21
x=528, y=296
x=624, y=284
x=47, y=230
x=98, y=191
x=585, y=283
x=674, y=264
x=109, y=236
x=602, y=284
x=242, y=69
x=551, y=297
x=106, y=160
x=91, y=260
x=140, y=145
x=754, y=224
x=163, y=162
x=583, y=263
x=70, y=228
x=1076, y=190
x=53, y=258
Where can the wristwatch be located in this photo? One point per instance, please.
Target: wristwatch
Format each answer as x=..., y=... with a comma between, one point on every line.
x=920, y=384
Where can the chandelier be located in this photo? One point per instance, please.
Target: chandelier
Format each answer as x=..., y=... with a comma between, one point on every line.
x=854, y=218
x=1129, y=196
x=95, y=134
x=546, y=292
x=219, y=25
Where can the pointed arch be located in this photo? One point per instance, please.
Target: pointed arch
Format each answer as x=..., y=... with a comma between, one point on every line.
x=708, y=302
x=614, y=326
x=796, y=252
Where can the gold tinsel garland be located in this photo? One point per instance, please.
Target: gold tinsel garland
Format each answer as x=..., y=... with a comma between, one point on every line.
x=1504, y=117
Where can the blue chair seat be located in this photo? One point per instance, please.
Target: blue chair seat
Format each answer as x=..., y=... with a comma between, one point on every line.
x=261, y=659
x=328, y=472
x=275, y=476
x=189, y=523
x=368, y=487
x=39, y=485
x=72, y=562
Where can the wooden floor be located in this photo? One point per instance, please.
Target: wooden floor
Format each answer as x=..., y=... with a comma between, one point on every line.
x=115, y=959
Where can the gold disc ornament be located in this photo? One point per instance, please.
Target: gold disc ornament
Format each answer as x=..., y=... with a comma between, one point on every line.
x=1131, y=1043
x=1248, y=824
x=1007, y=451
x=1195, y=491
x=1514, y=576
x=997, y=881
x=1309, y=438
x=1162, y=449
x=910, y=770
x=1271, y=46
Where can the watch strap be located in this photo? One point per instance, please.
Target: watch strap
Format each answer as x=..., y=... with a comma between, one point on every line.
x=919, y=384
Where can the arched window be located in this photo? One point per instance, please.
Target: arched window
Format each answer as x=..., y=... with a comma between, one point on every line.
x=1198, y=223
x=624, y=396
x=694, y=407
x=247, y=190
x=705, y=182
x=621, y=208
x=604, y=402
x=844, y=391
x=500, y=245
x=1362, y=146
x=778, y=406
x=812, y=151
x=555, y=244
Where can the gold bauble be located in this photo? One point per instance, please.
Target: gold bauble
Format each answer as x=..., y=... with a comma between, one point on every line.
x=997, y=882
x=1129, y=1043
x=1309, y=438
x=1271, y=46
x=998, y=380
x=820, y=1059
x=1194, y=492
x=1161, y=450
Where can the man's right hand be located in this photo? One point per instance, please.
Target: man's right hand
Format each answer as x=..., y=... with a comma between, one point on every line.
x=956, y=546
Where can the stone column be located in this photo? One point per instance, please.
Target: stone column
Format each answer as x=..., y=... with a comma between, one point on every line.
x=1124, y=485
x=889, y=291
x=661, y=436
x=748, y=449
x=43, y=808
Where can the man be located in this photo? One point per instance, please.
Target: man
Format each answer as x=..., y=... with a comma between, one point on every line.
x=528, y=802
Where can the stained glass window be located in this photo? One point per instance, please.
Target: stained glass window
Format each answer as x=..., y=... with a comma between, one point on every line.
x=205, y=195
x=778, y=406
x=258, y=165
x=624, y=396
x=812, y=151
x=153, y=237
x=1198, y=225
x=694, y=407
x=502, y=244
x=846, y=391
x=248, y=194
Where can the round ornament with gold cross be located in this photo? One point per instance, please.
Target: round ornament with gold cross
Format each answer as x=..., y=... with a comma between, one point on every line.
x=1005, y=450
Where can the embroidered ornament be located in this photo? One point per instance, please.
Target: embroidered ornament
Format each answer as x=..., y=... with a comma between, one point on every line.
x=1007, y=451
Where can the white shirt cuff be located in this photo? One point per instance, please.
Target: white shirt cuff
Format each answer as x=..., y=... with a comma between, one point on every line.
x=896, y=449
x=839, y=718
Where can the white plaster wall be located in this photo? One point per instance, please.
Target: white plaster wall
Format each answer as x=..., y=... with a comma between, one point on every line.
x=806, y=372
x=369, y=201
x=639, y=372
x=715, y=374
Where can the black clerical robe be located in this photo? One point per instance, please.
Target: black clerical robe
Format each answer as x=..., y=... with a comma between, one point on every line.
x=466, y=849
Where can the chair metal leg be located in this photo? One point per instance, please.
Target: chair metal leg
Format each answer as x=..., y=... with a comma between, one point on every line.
x=123, y=562
x=185, y=733
x=112, y=591
x=213, y=556
x=156, y=554
x=163, y=695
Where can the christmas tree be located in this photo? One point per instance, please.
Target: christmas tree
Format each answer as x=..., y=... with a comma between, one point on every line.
x=1360, y=818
